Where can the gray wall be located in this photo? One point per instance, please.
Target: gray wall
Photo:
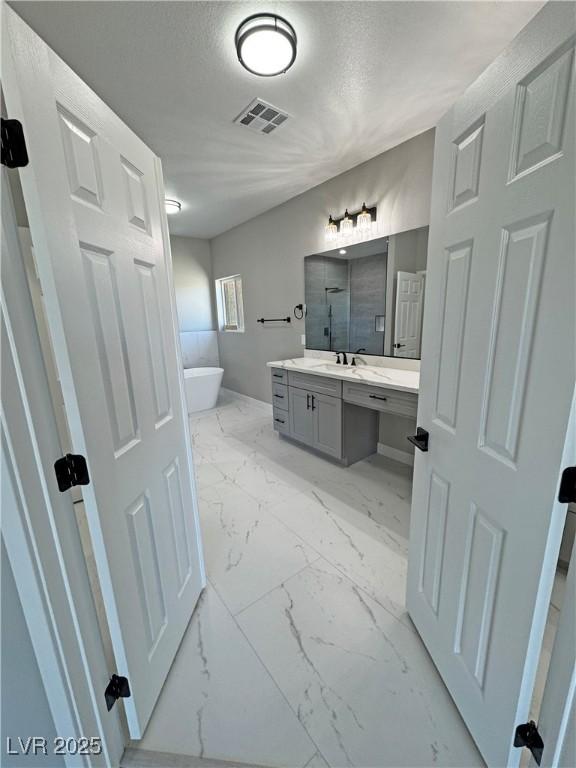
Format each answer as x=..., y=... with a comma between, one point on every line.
x=25, y=709
x=268, y=252
x=193, y=283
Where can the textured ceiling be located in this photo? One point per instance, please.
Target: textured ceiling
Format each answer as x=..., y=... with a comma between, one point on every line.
x=368, y=76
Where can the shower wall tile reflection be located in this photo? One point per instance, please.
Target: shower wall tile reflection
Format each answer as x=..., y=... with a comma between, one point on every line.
x=367, y=302
x=327, y=299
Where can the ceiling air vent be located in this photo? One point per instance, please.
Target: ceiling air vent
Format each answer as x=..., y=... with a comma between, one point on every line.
x=261, y=117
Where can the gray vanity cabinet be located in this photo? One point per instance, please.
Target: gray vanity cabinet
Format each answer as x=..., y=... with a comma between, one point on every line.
x=311, y=410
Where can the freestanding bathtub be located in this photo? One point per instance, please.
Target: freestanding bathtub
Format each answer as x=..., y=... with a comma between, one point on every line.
x=202, y=386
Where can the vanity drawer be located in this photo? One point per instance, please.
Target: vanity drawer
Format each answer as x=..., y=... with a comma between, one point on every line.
x=279, y=376
x=380, y=399
x=281, y=421
x=280, y=396
x=320, y=384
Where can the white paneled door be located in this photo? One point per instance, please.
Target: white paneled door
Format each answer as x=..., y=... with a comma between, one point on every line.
x=94, y=197
x=497, y=381
x=408, y=315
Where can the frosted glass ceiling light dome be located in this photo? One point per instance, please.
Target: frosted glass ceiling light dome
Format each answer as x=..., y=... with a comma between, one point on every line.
x=172, y=206
x=266, y=44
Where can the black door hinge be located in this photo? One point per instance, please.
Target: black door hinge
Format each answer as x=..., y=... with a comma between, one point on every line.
x=71, y=470
x=526, y=735
x=14, y=152
x=117, y=688
x=567, y=491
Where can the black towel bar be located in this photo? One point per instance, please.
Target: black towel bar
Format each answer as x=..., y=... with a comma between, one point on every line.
x=274, y=320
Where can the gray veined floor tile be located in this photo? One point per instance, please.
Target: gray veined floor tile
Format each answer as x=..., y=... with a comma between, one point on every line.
x=220, y=702
x=264, y=479
x=248, y=552
x=363, y=549
x=361, y=682
x=317, y=762
x=377, y=486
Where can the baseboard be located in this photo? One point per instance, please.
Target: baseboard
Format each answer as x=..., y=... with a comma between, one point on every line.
x=403, y=457
x=246, y=397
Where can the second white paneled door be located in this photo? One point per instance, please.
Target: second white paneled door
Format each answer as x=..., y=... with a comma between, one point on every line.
x=94, y=197
x=497, y=381
x=408, y=315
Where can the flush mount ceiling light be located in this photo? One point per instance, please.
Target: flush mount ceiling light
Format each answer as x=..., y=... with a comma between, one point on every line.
x=172, y=206
x=266, y=44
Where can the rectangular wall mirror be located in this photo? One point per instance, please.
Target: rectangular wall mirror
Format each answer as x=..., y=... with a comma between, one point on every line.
x=368, y=297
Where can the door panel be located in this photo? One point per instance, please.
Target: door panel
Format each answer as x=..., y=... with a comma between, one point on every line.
x=497, y=379
x=96, y=214
x=301, y=417
x=327, y=417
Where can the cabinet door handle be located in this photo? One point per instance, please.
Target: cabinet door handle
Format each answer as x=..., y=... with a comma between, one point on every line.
x=280, y=421
x=278, y=375
x=313, y=401
x=280, y=396
x=307, y=401
x=377, y=397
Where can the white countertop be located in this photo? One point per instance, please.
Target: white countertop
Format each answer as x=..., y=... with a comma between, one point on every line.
x=379, y=376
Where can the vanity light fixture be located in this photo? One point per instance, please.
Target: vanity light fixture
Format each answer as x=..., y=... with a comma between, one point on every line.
x=360, y=224
x=331, y=230
x=342, y=251
x=364, y=219
x=346, y=225
x=172, y=206
x=266, y=44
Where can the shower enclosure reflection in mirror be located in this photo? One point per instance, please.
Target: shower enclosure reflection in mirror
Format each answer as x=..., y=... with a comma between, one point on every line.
x=370, y=297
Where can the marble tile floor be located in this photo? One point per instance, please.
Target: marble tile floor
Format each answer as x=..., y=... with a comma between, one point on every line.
x=300, y=652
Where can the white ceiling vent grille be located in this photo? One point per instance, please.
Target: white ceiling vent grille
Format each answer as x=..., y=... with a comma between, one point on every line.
x=261, y=117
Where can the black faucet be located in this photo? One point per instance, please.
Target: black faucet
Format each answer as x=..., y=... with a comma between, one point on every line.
x=362, y=349
x=338, y=361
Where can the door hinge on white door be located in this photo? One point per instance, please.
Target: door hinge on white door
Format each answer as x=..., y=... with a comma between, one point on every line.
x=117, y=688
x=71, y=470
x=567, y=490
x=14, y=152
x=526, y=735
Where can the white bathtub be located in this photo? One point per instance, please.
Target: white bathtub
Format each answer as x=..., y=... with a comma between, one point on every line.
x=202, y=386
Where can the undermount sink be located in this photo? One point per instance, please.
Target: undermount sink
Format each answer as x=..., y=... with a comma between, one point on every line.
x=335, y=367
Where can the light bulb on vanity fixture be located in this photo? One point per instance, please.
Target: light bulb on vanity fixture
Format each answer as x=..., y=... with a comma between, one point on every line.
x=331, y=230
x=346, y=225
x=342, y=251
x=172, y=206
x=364, y=220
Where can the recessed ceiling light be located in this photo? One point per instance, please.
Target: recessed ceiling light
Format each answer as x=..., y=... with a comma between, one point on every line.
x=172, y=206
x=342, y=251
x=266, y=44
